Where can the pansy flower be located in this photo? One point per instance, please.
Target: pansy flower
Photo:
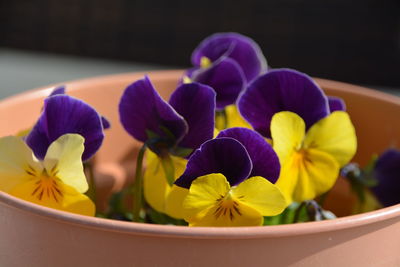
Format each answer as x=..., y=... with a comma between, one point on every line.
x=171, y=130
x=311, y=159
x=312, y=143
x=387, y=173
x=57, y=181
x=226, y=62
x=63, y=114
x=229, y=181
x=242, y=49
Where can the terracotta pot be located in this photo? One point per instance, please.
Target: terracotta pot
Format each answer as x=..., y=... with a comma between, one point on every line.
x=32, y=235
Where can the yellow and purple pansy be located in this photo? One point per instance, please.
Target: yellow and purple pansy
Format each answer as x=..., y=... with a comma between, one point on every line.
x=226, y=62
x=229, y=181
x=57, y=181
x=312, y=143
x=311, y=160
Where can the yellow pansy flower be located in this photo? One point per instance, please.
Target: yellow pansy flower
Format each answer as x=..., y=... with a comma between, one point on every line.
x=229, y=181
x=311, y=160
x=211, y=201
x=57, y=182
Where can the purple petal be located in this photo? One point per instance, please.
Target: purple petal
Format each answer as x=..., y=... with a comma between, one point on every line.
x=387, y=172
x=225, y=77
x=142, y=110
x=336, y=104
x=221, y=155
x=196, y=103
x=106, y=123
x=238, y=47
x=64, y=114
x=264, y=159
x=282, y=90
x=60, y=90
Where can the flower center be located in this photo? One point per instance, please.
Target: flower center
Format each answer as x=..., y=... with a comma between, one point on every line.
x=227, y=206
x=46, y=184
x=301, y=157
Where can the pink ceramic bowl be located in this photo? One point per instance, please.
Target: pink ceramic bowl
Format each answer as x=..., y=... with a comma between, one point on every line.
x=32, y=235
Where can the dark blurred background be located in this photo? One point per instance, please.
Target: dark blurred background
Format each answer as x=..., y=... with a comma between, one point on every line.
x=353, y=41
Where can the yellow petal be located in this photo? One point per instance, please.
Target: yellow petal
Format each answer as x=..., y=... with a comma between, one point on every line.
x=318, y=172
x=203, y=194
x=156, y=187
x=287, y=131
x=216, y=132
x=288, y=178
x=17, y=163
x=334, y=135
x=69, y=200
x=248, y=217
x=173, y=203
x=234, y=118
x=65, y=156
x=260, y=194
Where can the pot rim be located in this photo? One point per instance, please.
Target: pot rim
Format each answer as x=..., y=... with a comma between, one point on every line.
x=254, y=232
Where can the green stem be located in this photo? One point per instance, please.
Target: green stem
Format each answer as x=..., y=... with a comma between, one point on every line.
x=297, y=213
x=137, y=189
x=168, y=167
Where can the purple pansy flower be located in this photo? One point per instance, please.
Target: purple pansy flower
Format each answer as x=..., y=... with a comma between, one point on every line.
x=387, y=173
x=241, y=49
x=282, y=90
x=226, y=62
x=237, y=153
x=177, y=127
x=63, y=114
